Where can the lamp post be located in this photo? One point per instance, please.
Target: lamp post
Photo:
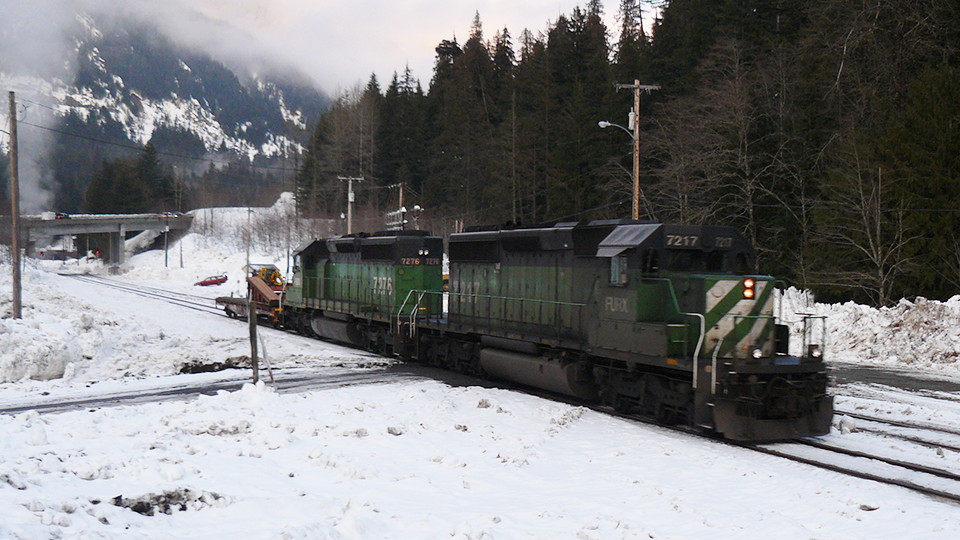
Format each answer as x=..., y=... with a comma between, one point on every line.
x=635, y=135
x=636, y=160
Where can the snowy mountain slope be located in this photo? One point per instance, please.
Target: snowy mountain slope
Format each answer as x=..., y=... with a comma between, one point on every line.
x=134, y=76
x=128, y=81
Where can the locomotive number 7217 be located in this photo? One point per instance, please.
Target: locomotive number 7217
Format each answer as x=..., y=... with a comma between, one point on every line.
x=679, y=240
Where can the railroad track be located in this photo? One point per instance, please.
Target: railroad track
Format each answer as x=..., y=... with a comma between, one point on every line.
x=191, y=301
x=820, y=453
x=923, y=479
x=897, y=423
x=287, y=382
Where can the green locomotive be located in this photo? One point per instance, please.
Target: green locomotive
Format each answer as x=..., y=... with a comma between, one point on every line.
x=663, y=320
x=353, y=288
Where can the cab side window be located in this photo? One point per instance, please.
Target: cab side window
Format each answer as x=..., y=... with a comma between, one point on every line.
x=618, y=270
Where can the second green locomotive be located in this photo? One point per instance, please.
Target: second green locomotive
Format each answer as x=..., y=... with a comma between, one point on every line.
x=351, y=289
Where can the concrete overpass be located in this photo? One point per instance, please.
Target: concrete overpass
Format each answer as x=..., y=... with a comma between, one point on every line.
x=116, y=225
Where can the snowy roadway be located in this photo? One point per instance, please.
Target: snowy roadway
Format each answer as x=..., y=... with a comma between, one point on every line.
x=396, y=456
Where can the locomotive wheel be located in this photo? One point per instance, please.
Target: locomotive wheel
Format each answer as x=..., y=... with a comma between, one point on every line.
x=384, y=339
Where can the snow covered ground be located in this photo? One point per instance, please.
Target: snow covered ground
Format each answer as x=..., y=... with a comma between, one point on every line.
x=412, y=458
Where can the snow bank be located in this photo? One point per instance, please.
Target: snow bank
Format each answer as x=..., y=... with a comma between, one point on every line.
x=919, y=334
x=62, y=337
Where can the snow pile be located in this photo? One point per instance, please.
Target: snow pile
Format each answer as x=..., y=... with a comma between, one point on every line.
x=61, y=337
x=218, y=244
x=66, y=336
x=923, y=333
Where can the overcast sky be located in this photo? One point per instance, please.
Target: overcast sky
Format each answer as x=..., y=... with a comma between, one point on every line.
x=340, y=42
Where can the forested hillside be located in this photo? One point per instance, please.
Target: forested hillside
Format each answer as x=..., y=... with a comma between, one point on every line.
x=828, y=131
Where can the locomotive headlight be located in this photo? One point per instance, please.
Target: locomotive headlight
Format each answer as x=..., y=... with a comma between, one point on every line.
x=749, y=291
x=757, y=353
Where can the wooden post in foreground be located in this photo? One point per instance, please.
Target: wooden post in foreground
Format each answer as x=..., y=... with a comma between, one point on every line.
x=15, y=213
x=252, y=317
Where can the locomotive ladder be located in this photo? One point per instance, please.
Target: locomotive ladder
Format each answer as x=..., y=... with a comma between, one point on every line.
x=415, y=309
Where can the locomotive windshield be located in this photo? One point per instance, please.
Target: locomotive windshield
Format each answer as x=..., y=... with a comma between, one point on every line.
x=710, y=262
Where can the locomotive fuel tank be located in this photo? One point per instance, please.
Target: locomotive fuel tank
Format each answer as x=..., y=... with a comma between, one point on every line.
x=553, y=375
x=336, y=330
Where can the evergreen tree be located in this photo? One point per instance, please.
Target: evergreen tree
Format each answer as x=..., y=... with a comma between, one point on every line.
x=682, y=36
x=922, y=150
x=314, y=182
x=465, y=118
x=401, y=137
x=72, y=158
x=157, y=184
x=631, y=52
x=128, y=194
x=581, y=92
x=532, y=127
x=116, y=189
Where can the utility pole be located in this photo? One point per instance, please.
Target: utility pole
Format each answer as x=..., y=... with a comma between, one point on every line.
x=350, y=199
x=402, y=210
x=637, y=87
x=15, y=202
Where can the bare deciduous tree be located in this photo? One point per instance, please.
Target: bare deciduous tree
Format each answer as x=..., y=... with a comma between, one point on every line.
x=863, y=239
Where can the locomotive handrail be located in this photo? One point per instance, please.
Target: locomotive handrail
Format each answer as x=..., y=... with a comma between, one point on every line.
x=696, y=353
x=413, y=311
x=400, y=311
x=716, y=351
x=473, y=300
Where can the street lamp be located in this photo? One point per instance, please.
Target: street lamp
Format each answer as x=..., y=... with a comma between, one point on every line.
x=636, y=159
x=605, y=124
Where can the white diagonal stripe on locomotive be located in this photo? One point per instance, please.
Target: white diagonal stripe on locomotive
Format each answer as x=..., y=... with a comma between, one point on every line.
x=725, y=321
x=718, y=292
